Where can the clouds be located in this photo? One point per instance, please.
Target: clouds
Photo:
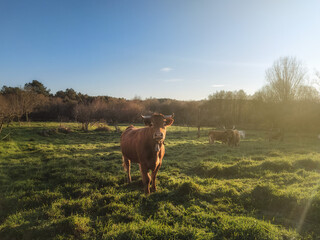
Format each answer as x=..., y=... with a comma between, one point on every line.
x=166, y=69
x=173, y=79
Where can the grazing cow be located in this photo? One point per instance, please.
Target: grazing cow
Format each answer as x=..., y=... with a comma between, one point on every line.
x=215, y=135
x=233, y=137
x=146, y=147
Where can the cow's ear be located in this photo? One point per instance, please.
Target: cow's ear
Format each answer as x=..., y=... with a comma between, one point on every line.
x=169, y=121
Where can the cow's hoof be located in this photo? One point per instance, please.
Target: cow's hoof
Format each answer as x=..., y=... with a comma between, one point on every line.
x=147, y=191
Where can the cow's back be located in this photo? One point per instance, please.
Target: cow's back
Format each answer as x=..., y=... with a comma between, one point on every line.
x=127, y=143
x=132, y=142
x=217, y=135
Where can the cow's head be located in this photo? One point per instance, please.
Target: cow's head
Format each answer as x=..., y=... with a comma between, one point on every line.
x=158, y=123
x=229, y=133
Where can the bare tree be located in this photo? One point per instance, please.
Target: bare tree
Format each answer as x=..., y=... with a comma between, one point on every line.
x=84, y=114
x=29, y=100
x=90, y=112
x=7, y=111
x=285, y=77
x=316, y=80
x=308, y=93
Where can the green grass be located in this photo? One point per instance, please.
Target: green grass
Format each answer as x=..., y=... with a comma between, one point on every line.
x=73, y=186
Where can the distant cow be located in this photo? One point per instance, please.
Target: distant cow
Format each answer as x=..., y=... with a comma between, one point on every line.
x=146, y=147
x=216, y=135
x=233, y=137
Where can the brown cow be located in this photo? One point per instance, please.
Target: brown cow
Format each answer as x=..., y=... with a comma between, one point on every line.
x=216, y=135
x=146, y=147
x=233, y=137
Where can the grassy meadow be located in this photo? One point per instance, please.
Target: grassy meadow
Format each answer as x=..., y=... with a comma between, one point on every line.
x=73, y=186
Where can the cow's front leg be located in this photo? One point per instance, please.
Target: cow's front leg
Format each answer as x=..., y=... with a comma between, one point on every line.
x=145, y=179
x=153, y=177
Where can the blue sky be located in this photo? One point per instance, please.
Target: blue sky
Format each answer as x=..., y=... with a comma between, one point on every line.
x=166, y=49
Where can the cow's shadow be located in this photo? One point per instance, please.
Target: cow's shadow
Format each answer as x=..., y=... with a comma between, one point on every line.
x=135, y=185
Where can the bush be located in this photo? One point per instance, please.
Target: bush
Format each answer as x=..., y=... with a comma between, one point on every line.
x=102, y=129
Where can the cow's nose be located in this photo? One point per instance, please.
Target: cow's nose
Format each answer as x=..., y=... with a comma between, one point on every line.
x=158, y=135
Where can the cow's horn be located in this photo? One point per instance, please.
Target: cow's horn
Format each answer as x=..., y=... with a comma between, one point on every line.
x=145, y=117
x=169, y=116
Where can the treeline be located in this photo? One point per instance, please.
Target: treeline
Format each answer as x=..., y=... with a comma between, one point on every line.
x=284, y=103
x=34, y=102
x=258, y=112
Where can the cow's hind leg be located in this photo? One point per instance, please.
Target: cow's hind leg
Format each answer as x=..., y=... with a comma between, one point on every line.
x=153, y=177
x=126, y=166
x=145, y=179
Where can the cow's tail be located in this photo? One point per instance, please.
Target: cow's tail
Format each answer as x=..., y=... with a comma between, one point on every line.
x=123, y=164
